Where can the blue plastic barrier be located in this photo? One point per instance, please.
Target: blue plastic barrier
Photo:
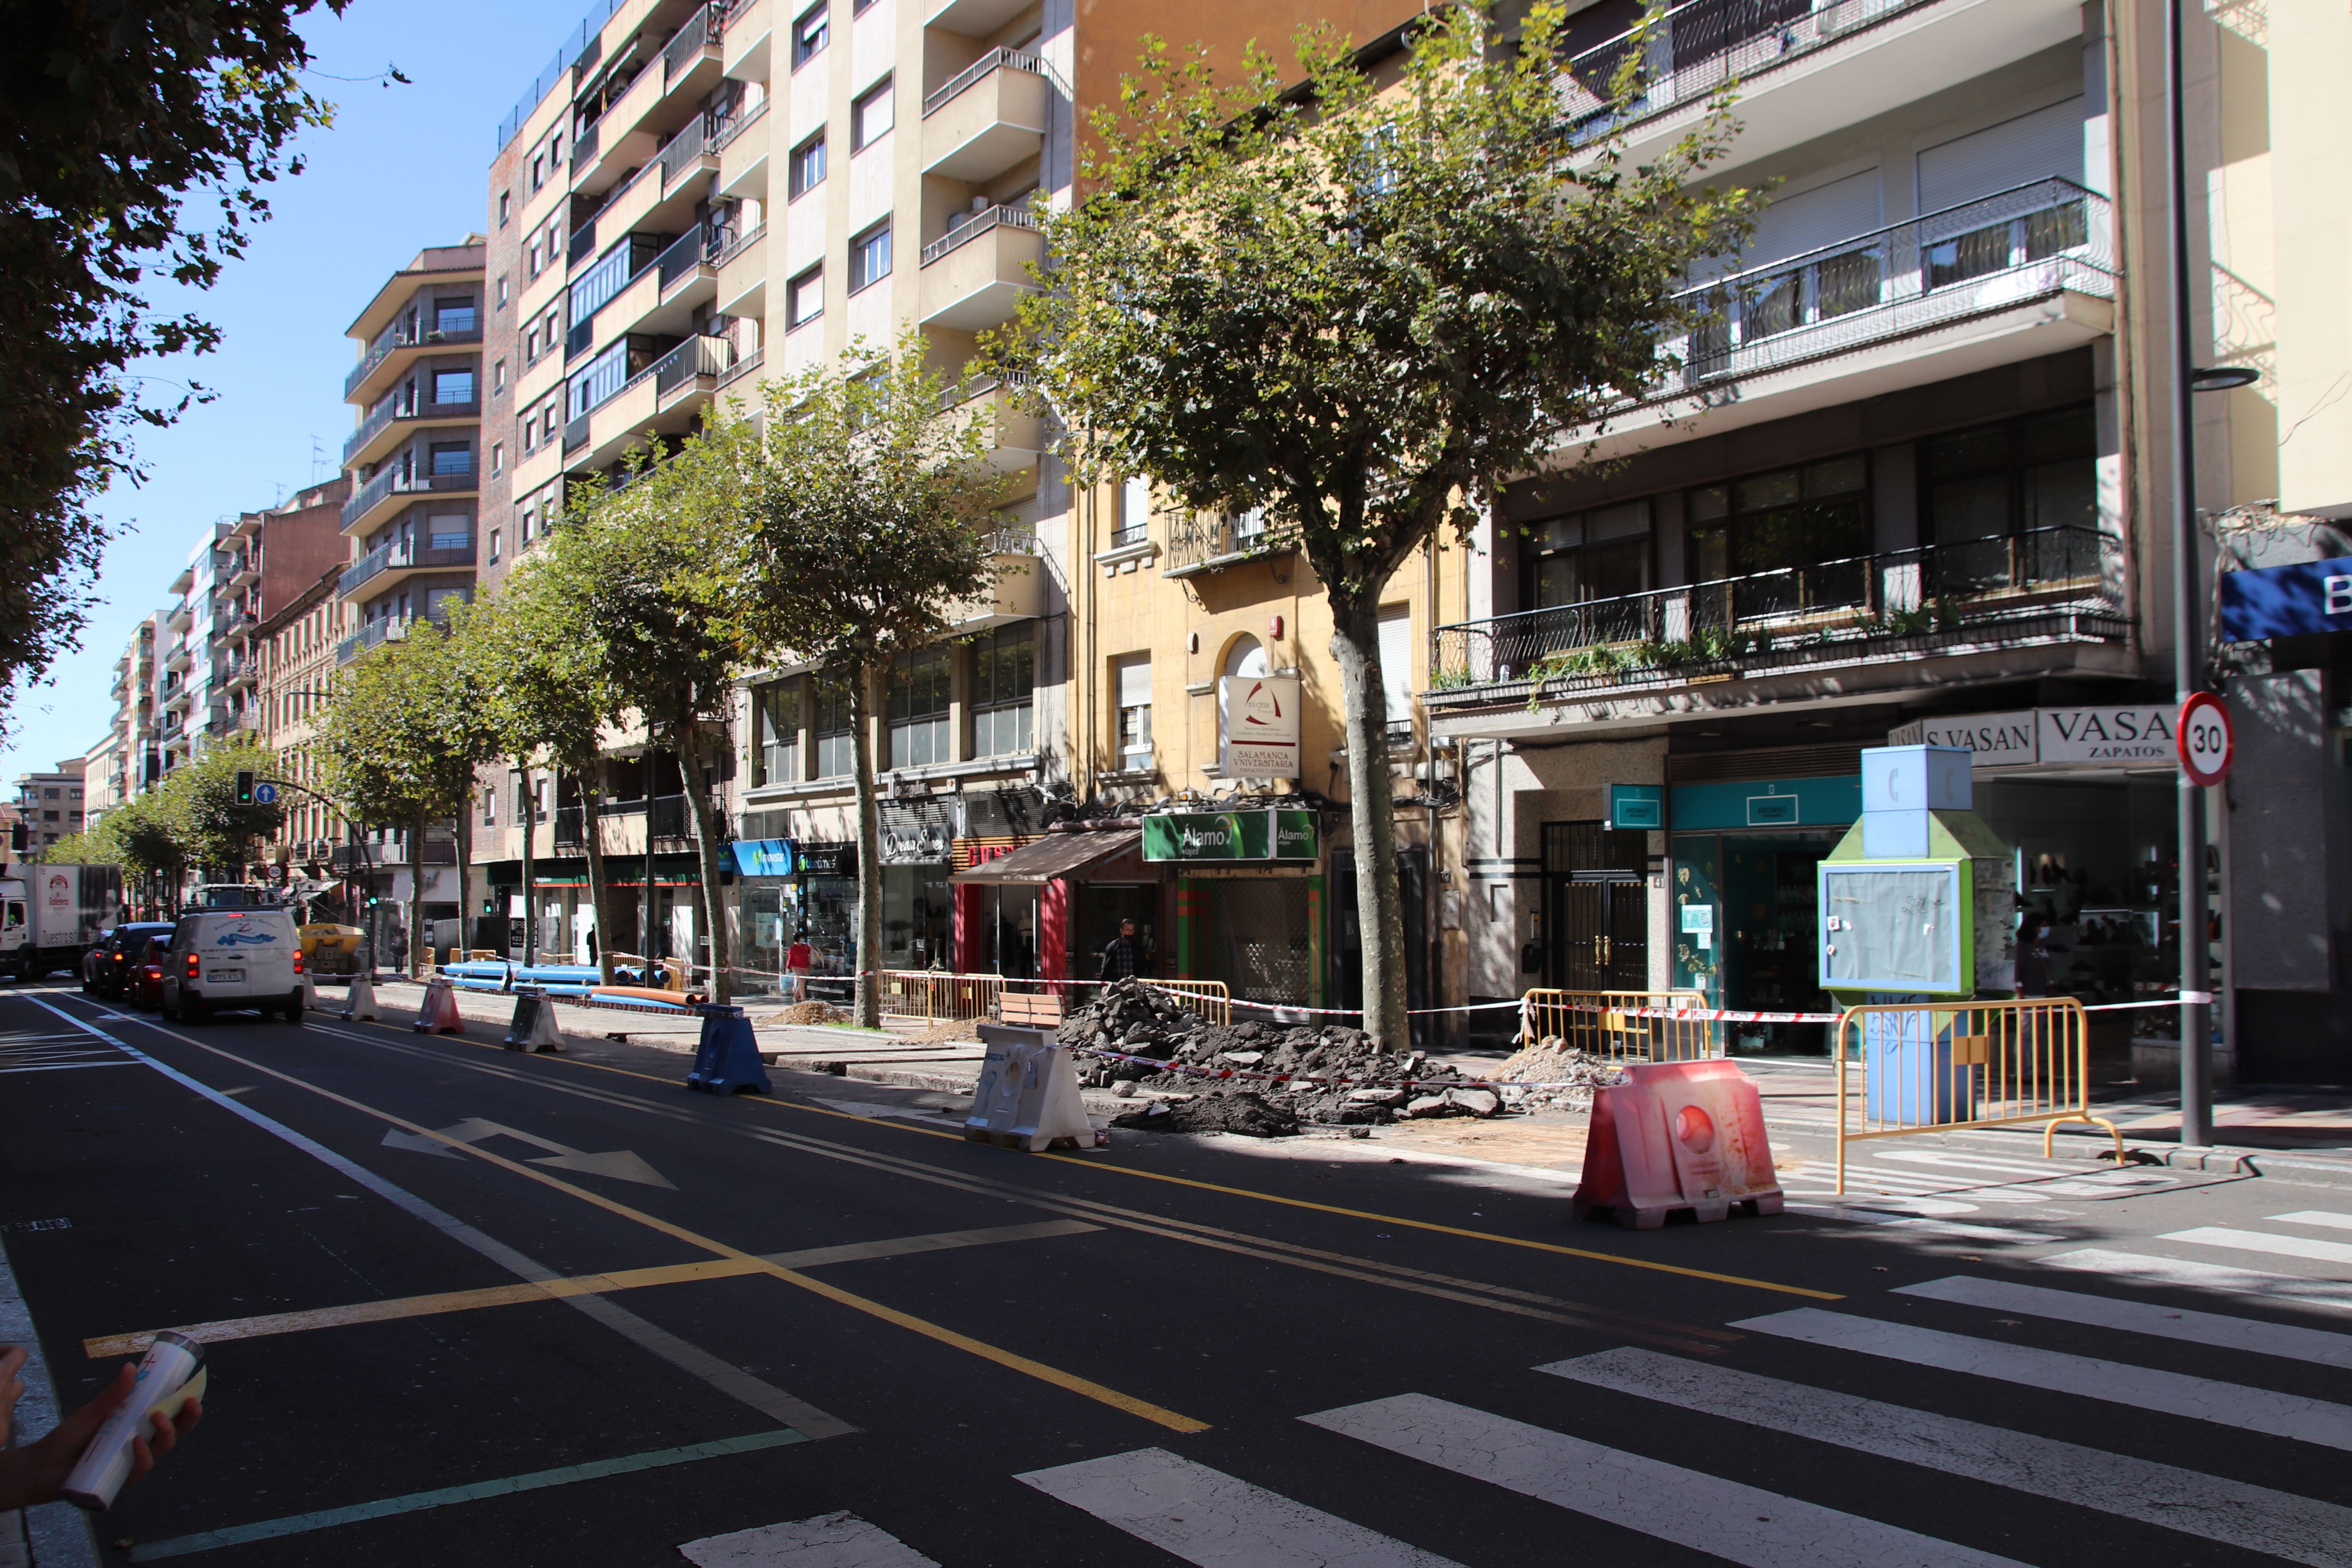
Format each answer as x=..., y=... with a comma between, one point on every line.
x=728, y=1058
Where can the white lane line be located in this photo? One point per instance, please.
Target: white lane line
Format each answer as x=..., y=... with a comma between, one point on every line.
x=1931, y=1227
x=828, y=1540
x=2144, y=1388
x=2263, y=1241
x=71, y=1067
x=691, y=1359
x=1708, y=1513
x=2289, y=1288
x=2328, y=1217
x=2142, y=1318
x=1217, y=1521
x=2280, y=1524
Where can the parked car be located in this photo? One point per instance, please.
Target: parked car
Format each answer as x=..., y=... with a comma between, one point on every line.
x=233, y=958
x=143, y=977
x=103, y=970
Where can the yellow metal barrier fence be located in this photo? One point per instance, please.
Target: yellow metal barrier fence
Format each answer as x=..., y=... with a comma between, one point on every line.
x=938, y=997
x=1600, y=1023
x=1928, y=1068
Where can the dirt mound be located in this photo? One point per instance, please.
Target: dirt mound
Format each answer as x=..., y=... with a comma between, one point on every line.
x=1132, y=1018
x=1239, y=1111
x=1570, y=1076
x=811, y=1013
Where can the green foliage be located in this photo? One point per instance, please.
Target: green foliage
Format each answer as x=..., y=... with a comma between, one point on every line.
x=144, y=835
x=405, y=729
x=214, y=829
x=110, y=115
x=81, y=849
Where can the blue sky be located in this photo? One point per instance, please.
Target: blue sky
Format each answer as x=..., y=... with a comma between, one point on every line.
x=402, y=167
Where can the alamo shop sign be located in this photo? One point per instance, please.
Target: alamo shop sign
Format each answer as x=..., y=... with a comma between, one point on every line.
x=1272, y=833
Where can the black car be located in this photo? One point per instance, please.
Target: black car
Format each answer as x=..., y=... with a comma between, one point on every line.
x=107, y=966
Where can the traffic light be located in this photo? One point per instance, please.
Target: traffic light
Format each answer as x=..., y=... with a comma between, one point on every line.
x=245, y=786
x=373, y=900
x=490, y=906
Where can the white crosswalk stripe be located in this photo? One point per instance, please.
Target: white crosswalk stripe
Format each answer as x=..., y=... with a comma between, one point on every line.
x=2300, y=1530
x=1953, y=1228
x=2328, y=1217
x=2143, y=1317
x=1739, y=1523
x=828, y=1540
x=2144, y=1388
x=1208, y=1517
x=2294, y=1289
x=2263, y=1241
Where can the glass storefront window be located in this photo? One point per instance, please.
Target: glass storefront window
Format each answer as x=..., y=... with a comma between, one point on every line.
x=1758, y=948
x=1601, y=554
x=916, y=901
x=1004, y=687
x=1782, y=521
x=2022, y=490
x=918, y=708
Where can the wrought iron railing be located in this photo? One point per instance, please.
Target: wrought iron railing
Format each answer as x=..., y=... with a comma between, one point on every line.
x=680, y=257
x=1984, y=255
x=697, y=356
x=700, y=31
x=1189, y=542
x=683, y=149
x=971, y=75
x=1953, y=587
x=387, y=557
x=981, y=223
x=1696, y=49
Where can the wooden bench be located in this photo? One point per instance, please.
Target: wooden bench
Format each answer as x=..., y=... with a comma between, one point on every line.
x=1032, y=1010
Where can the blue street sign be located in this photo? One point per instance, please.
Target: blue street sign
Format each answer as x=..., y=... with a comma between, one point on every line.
x=264, y=795
x=2287, y=601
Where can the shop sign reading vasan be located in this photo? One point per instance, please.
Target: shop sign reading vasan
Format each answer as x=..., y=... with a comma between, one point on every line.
x=2102, y=735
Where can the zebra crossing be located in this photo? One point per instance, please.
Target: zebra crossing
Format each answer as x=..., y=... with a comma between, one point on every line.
x=31, y=1051
x=1202, y=1515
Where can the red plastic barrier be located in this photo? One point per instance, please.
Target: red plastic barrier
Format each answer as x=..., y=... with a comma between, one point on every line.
x=1681, y=1135
x=437, y=1014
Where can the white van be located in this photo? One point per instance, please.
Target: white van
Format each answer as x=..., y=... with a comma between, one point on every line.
x=234, y=958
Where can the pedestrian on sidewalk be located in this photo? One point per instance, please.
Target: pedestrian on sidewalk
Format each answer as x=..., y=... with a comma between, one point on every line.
x=798, y=961
x=1122, y=957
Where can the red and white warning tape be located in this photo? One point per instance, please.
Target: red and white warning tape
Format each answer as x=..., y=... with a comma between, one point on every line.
x=1189, y=1071
x=1728, y=1015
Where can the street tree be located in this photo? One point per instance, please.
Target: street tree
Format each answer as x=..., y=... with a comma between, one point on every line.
x=868, y=497
x=1364, y=308
x=649, y=559
x=218, y=833
x=549, y=699
x=111, y=116
x=402, y=738
x=143, y=836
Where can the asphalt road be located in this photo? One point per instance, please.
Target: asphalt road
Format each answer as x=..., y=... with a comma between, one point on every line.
x=895, y=1346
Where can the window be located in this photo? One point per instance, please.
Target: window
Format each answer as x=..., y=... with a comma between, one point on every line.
x=530, y=516
x=538, y=171
x=451, y=457
x=805, y=300
x=917, y=711
x=502, y=292
x=452, y=386
x=869, y=257
x=776, y=735
x=494, y=544
x=506, y=206
x=490, y=808
x=807, y=170
x=1786, y=521
x=809, y=34
x=1134, y=513
x=835, y=757
x=1131, y=687
x=497, y=457
x=498, y=377
x=870, y=117
x=455, y=315
x=2031, y=482
x=531, y=432
x=1396, y=670
x=1003, y=681
x=1598, y=554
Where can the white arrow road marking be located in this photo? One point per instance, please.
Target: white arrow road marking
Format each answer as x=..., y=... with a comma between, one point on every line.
x=620, y=1164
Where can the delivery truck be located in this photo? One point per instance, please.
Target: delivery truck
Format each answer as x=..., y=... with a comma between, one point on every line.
x=49, y=915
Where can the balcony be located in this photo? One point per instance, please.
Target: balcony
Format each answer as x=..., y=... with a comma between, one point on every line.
x=2013, y=277
x=743, y=275
x=393, y=561
x=986, y=118
x=974, y=275
x=176, y=656
x=1016, y=432
x=691, y=60
x=375, y=374
x=692, y=368
x=244, y=569
x=2039, y=589
x=615, y=145
x=1193, y=544
x=394, y=422
x=743, y=155
x=385, y=494
x=745, y=44
x=1801, y=67
x=972, y=19
x=1017, y=594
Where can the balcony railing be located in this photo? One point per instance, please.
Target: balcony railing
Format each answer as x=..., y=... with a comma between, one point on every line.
x=391, y=482
x=972, y=74
x=726, y=248
x=1977, y=258
x=392, y=408
x=377, y=418
x=683, y=255
x=1694, y=49
x=741, y=368
x=388, y=557
x=1194, y=543
x=583, y=146
x=2008, y=586
x=736, y=124
x=701, y=30
x=683, y=149
x=698, y=355
x=979, y=224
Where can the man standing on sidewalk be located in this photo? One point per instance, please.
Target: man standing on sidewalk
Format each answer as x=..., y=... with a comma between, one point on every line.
x=1122, y=958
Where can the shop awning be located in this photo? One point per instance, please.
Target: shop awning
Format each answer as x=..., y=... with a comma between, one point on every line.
x=1056, y=855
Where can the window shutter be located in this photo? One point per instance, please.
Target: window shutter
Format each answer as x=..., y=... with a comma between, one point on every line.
x=1809, y=220
x=2031, y=147
x=1396, y=662
x=1135, y=683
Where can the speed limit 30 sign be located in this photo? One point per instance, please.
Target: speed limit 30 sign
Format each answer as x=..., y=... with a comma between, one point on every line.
x=2205, y=739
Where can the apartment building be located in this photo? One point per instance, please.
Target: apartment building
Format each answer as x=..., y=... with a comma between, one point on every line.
x=294, y=650
x=50, y=806
x=690, y=198
x=135, y=759
x=1910, y=483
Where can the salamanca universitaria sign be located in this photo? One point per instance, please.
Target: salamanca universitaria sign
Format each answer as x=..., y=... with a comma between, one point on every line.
x=2131, y=735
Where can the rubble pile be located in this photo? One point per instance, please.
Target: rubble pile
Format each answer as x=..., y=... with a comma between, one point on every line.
x=1242, y=1111
x=1552, y=1061
x=811, y=1013
x=1132, y=1017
